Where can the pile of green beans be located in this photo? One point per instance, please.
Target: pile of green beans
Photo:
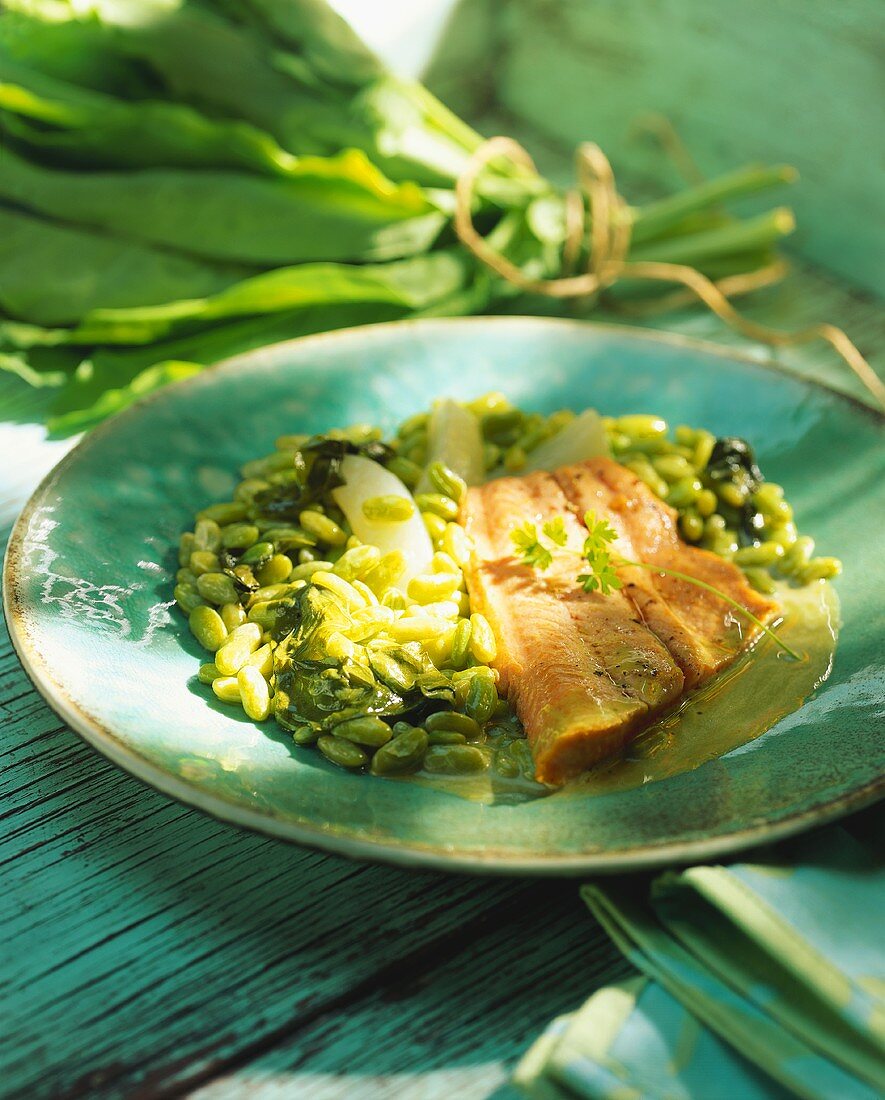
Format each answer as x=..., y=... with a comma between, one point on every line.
x=240, y=569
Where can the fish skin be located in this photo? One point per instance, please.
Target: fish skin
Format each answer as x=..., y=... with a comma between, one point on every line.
x=581, y=670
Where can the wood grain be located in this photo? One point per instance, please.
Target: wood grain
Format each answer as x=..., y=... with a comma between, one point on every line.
x=798, y=81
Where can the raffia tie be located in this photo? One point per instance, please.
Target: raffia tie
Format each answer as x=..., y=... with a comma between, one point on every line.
x=601, y=228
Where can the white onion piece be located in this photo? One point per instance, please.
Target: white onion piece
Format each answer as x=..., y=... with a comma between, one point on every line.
x=454, y=437
x=585, y=437
x=364, y=479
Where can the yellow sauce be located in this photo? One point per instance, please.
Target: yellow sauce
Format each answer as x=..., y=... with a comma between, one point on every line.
x=735, y=707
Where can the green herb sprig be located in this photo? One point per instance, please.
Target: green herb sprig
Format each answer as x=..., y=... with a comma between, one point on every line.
x=603, y=563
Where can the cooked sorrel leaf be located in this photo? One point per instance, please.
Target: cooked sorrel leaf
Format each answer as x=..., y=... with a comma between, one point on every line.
x=318, y=465
x=731, y=458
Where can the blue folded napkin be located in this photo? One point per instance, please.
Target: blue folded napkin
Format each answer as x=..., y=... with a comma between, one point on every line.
x=763, y=979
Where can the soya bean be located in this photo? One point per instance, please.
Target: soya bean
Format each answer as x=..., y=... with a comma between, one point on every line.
x=343, y=753
x=185, y=576
x=346, y=593
x=257, y=554
x=370, y=730
x=188, y=598
x=357, y=562
x=641, y=427
x=239, y=536
x=442, y=563
x=452, y=720
x=461, y=643
x=456, y=543
x=760, y=579
x=684, y=492
x=208, y=673
x=322, y=528
x=798, y=556
x=439, y=504
x=262, y=659
x=483, y=646
x=418, y=628
x=766, y=553
x=388, y=509
x=254, y=693
x=454, y=759
x=767, y=497
x=394, y=599
x=385, y=572
x=246, y=491
x=185, y=548
x=204, y=561
x=703, y=449
x=238, y=647
x=306, y=569
x=229, y=512
x=673, y=467
x=408, y=472
x=732, y=493
x=435, y=526
x=207, y=535
x=446, y=737
x=226, y=689
x=705, y=503
x=271, y=592
x=482, y=696
x=430, y=587
x=820, y=569
x=647, y=473
x=207, y=627
x=785, y=533
x=446, y=481
x=275, y=570
x=217, y=588
x=691, y=525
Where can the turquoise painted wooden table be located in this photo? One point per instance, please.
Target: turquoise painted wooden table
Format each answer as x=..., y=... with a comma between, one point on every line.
x=151, y=951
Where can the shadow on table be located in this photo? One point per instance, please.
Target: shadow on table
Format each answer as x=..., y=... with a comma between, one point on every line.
x=150, y=946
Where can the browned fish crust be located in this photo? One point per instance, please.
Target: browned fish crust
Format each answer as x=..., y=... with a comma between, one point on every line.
x=585, y=672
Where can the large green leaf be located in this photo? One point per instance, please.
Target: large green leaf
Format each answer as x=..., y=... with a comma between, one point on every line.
x=333, y=209
x=52, y=274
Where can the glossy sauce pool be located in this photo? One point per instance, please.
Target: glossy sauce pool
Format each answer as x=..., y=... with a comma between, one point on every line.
x=735, y=707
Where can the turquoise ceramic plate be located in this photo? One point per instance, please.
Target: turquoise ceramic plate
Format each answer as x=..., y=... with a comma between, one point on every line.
x=88, y=580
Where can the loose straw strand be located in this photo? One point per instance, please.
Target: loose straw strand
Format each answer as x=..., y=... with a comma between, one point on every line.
x=607, y=240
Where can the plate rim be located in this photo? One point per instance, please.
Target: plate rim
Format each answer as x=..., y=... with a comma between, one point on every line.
x=404, y=854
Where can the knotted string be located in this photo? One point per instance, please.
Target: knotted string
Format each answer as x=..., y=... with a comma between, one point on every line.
x=598, y=223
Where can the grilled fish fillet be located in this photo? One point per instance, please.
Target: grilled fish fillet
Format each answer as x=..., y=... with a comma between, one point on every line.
x=585, y=672
x=580, y=669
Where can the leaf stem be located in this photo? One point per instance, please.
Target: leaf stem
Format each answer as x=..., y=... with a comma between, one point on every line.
x=655, y=218
x=761, y=231
x=721, y=595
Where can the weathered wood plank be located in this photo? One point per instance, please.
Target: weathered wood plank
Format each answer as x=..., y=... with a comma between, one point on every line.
x=455, y=1029
x=147, y=945
x=793, y=82
x=145, y=941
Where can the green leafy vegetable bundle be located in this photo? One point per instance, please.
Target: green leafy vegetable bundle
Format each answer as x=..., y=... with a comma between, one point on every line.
x=183, y=180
